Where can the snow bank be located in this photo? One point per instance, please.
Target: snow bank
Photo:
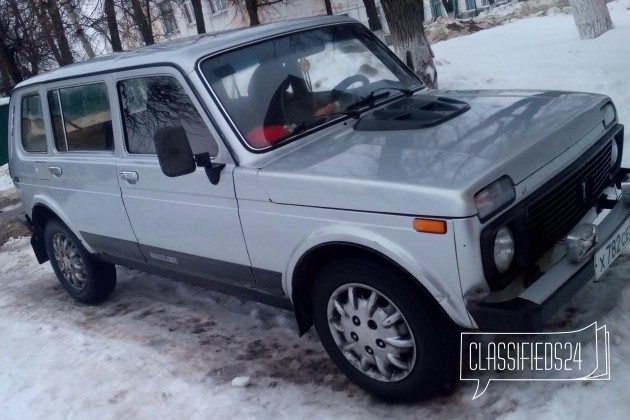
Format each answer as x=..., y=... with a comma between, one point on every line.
x=446, y=27
x=5, y=179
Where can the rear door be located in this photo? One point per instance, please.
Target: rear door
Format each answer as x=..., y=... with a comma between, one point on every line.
x=184, y=223
x=81, y=168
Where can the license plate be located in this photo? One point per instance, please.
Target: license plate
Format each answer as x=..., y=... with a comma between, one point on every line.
x=609, y=252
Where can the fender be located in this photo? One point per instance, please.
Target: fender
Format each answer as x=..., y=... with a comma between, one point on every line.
x=442, y=290
x=54, y=207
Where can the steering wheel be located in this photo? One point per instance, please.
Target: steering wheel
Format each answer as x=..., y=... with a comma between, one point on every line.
x=285, y=110
x=349, y=81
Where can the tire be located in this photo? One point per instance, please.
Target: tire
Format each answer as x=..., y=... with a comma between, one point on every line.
x=398, y=346
x=85, y=278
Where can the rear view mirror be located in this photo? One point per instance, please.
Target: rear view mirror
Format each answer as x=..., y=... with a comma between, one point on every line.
x=173, y=151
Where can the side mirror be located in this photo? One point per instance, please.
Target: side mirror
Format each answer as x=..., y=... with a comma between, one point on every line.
x=174, y=152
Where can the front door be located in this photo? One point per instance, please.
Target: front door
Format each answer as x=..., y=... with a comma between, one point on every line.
x=185, y=223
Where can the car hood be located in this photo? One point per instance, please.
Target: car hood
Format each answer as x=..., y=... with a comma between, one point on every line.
x=434, y=171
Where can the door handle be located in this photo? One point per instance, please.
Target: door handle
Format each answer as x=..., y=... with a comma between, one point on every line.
x=129, y=176
x=55, y=170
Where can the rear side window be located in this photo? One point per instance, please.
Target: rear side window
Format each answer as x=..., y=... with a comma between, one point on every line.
x=151, y=103
x=33, y=133
x=81, y=118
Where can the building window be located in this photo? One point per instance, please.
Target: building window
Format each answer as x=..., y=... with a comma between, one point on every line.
x=168, y=17
x=189, y=13
x=436, y=8
x=217, y=6
x=470, y=5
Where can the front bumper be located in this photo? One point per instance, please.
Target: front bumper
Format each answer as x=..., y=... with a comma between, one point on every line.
x=529, y=311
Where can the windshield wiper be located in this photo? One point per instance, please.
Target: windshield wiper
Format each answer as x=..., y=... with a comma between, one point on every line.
x=352, y=111
x=371, y=99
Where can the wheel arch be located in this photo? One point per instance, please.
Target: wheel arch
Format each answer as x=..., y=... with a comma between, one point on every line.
x=43, y=211
x=308, y=266
x=40, y=215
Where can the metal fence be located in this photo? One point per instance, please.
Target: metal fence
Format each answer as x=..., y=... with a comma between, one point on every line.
x=4, y=134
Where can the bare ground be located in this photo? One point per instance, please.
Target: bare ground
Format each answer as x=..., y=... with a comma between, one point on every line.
x=10, y=227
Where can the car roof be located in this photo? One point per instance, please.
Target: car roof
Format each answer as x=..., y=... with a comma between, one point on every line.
x=183, y=52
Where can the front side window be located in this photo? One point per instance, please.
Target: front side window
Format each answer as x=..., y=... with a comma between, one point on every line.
x=156, y=102
x=81, y=118
x=33, y=133
x=279, y=88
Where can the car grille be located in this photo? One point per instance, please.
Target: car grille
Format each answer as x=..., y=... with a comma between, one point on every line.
x=551, y=217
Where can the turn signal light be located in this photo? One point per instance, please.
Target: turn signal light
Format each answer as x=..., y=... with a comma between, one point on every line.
x=429, y=226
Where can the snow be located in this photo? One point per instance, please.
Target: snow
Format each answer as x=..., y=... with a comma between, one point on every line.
x=240, y=381
x=5, y=179
x=446, y=27
x=548, y=54
x=159, y=348
x=11, y=207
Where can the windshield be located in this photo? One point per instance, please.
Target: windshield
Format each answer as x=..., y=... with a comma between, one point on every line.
x=278, y=88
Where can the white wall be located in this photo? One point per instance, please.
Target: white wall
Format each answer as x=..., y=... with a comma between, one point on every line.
x=463, y=9
x=234, y=17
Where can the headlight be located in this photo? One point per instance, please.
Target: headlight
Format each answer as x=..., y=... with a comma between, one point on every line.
x=494, y=197
x=614, y=154
x=609, y=114
x=503, y=249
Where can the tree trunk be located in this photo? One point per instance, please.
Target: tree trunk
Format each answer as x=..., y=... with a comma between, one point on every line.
x=112, y=25
x=201, y=24
x=78, y=30
x=44, y=22
x=373, y=21
x=59, y=32
x=329, y=10
x=591, y=17
x=143, y=24
x=5, y=88
x=252, y=12
x=405, y=23
x=9, y=65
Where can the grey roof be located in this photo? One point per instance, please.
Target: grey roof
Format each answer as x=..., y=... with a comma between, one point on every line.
x=183, y=51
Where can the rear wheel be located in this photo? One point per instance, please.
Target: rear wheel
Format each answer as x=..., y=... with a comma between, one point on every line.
x=84, y=277
x=381, y=331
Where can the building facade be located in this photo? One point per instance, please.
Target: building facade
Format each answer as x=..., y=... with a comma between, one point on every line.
x=178, y=19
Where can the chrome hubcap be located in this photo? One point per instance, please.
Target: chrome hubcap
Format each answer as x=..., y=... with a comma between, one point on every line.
x=371, y=332
x=69, y=261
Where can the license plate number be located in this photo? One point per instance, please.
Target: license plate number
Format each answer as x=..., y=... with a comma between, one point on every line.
x=609, y=252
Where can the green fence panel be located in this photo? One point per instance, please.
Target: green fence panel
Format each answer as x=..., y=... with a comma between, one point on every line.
x=4, y=134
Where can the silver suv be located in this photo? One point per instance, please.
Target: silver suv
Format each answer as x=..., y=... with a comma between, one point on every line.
x=301, y=164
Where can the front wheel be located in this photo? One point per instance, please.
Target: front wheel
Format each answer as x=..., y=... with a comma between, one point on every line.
x=84, y=277
x=381, y=331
